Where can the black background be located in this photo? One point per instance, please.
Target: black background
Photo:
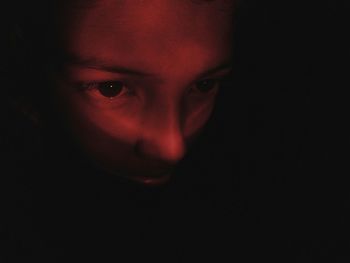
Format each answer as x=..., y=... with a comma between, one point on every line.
x=268, y=179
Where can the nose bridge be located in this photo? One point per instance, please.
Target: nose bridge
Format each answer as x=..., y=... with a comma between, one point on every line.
x=162, y=135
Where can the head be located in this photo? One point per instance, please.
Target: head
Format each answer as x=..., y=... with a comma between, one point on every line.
x=139, y=79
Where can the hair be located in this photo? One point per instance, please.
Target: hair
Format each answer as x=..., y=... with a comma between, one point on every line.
x=32, y=47
x=32, y=51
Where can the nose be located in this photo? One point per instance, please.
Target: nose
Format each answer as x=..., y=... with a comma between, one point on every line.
x=161, y=137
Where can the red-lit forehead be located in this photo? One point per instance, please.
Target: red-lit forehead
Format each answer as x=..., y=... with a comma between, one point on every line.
x=151, y=32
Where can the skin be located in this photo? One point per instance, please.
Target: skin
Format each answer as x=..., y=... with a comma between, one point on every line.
x=140, y=80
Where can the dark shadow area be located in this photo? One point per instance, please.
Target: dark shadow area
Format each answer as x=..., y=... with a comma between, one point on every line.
x=267, y=179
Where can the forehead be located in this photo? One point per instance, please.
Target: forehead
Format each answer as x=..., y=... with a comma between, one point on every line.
x=139, y=29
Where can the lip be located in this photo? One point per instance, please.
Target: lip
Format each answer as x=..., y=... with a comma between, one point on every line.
x=152, y=179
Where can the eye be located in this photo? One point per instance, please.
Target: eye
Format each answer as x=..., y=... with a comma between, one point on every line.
x=108, y=89
x=207, y=85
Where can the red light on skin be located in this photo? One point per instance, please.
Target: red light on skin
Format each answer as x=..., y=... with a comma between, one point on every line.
x=141, y=80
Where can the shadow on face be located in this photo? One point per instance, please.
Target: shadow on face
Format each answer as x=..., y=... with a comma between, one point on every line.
x=140, y=80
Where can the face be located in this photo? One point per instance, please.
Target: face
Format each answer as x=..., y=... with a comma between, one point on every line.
x=140, y=80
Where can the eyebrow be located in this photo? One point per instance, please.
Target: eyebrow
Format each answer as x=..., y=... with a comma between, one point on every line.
x=221, y=67
x=93, y=63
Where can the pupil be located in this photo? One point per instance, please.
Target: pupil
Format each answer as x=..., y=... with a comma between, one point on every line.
x=206, y=85
x=110, y=89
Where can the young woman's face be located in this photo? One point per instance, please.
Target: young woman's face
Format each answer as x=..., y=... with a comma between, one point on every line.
x=141, y=78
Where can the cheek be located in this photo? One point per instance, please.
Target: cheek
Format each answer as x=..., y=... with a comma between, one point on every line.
x=114, y=124
x=199, y=113
x=100, y=125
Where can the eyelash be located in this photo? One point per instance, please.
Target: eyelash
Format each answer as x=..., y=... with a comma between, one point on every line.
x=106, y=90
x=211, y=85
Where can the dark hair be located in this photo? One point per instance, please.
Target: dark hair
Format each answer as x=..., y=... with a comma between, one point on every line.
x=33, y=50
